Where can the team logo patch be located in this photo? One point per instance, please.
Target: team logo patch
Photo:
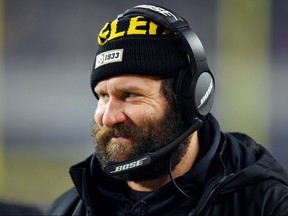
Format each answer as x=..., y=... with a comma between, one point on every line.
x=108, y=57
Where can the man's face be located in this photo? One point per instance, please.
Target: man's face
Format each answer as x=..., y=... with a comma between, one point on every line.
x=132, y=118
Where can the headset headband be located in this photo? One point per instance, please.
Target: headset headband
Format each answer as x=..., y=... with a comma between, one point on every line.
x=174, y=22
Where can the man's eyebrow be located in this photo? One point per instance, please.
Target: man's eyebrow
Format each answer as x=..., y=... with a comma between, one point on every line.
x=96, y=90
x=127, y=88
x=131, y=88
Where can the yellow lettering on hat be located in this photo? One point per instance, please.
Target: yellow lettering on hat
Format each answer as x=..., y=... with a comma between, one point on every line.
x=114, y=33
x=102, y=37
x=134, y=24
x=152, y=28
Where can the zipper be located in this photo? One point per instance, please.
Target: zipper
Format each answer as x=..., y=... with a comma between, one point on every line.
x=142, y=208
x=206, y=201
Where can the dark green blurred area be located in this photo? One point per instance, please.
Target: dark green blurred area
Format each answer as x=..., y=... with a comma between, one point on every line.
x=46, y=53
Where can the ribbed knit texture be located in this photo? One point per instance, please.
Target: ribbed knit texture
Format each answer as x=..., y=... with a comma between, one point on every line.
x=159, y=55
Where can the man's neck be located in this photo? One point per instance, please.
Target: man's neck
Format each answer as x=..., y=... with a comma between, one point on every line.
x=181, y=168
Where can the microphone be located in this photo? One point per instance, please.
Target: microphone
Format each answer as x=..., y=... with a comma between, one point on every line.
x=114, y=168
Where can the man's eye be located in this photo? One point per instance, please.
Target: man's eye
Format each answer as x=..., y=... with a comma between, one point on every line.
x=129, y=94
x=103, y=96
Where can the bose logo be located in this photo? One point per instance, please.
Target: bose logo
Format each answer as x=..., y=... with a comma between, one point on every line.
x=206, y=95
x=108, y=57
x=129, y=165
x=158, y=9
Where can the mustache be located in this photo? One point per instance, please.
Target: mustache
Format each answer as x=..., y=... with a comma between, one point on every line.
x=106, y=133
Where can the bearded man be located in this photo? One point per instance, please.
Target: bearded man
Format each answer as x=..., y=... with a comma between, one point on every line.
x=158, y=149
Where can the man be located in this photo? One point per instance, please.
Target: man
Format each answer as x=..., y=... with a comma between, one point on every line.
x=158, y=149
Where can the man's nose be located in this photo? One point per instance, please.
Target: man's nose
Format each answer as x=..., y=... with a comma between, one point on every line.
x=113, y=113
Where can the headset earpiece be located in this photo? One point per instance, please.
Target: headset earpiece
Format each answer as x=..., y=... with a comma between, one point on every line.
x=177, y=87
x=195, y=95
x=204, y=93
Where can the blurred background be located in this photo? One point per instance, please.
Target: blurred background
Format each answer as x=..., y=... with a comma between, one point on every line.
x=46, y=54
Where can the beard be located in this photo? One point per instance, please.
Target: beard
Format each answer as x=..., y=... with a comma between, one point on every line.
x=152, y=136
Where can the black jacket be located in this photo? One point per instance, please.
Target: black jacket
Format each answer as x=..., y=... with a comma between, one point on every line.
x=234, y=176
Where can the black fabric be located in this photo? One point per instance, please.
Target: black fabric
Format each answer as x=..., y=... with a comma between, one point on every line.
x=240, y=178
x=68, y=204
x=18, y=209
x=161, y=56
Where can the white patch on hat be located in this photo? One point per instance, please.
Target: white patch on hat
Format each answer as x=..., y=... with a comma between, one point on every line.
x=108, y=57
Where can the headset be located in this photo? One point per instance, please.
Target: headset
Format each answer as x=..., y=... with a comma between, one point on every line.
x=195, y=86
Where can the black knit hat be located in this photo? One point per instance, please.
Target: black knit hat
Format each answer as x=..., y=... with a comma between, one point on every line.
x=136, y=45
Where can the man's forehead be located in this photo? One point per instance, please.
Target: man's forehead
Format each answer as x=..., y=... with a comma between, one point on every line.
x=128, y=81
